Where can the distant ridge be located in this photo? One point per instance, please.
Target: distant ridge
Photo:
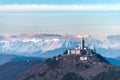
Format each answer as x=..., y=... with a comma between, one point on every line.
x=5, y=58
x=11, y=70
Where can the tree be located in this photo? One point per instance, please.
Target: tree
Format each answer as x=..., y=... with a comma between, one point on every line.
x=72, y=76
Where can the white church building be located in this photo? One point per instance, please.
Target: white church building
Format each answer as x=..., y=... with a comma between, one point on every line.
x=78, y=50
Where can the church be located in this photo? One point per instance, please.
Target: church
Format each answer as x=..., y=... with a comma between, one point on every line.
x=78, y=50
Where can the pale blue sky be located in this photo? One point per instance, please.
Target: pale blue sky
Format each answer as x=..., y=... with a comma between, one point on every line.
x=59, y=1
x=93, y=22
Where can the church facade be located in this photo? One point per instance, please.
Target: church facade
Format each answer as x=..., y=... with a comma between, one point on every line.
x=78, y=50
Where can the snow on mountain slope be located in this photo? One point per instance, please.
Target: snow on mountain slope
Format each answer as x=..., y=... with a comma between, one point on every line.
x=33, y=46
x=47, y=45
x=110, y=47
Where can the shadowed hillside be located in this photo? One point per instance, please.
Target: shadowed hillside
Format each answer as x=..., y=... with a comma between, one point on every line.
x=11, y=70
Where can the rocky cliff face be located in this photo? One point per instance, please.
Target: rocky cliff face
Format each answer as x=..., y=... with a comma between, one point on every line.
x=70, y=67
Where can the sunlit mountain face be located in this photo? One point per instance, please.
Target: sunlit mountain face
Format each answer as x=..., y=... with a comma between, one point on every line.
x=48, y=45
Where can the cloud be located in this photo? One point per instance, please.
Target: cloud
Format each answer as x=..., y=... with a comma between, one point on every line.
x=45, y=7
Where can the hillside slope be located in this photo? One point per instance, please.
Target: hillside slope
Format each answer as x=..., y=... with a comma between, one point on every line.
x=11, y=70
x=70, y=67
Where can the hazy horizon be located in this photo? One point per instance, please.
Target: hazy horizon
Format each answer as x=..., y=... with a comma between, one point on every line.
x=97, y=18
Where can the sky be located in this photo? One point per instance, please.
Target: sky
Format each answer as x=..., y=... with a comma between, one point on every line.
x=93, y=17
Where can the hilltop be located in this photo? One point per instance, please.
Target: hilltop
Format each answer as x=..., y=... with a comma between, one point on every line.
x=70, y=67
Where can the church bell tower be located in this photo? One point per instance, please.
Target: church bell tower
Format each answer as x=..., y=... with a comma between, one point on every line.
x=82, y=44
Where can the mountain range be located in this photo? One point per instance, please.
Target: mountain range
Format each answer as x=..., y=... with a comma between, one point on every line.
x=47, y=45
x=23, y=52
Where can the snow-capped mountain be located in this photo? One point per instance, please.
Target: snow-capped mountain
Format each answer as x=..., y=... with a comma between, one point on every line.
x=36, y=45
x=48, y=45
x=110, y=47
x=29, y=47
